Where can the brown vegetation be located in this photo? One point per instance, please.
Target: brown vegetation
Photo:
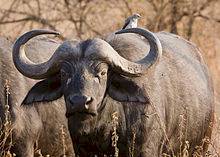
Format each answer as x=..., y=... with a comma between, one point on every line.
x=196, y=20
x=6, y=126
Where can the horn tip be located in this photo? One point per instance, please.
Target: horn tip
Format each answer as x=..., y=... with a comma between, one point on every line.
x=127, y=30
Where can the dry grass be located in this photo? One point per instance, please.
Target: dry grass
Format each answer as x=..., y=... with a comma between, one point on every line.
x=63, y=136
x=132, y=147
x=6, y=136
x=114, y=133
x=6, y=130
x=200, y=151
x=6, y=126
x=213, y=151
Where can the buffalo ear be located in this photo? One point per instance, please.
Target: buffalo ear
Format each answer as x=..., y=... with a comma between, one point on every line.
x=125, y=90
x=47, y=90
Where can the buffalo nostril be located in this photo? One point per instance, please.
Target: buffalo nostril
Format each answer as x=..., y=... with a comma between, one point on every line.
x=86, y=106
x=88, y=101
x=78, y=100
x=81, y=101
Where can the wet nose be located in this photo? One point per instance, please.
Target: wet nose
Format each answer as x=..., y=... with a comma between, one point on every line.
x=80, y=101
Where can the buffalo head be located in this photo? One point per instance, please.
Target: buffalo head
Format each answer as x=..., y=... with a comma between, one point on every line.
x=81, y=71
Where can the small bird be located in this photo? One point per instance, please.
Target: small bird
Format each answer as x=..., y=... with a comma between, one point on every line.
x=131, y=21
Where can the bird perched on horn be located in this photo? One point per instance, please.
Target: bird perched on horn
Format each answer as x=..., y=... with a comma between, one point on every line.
x=131, y=21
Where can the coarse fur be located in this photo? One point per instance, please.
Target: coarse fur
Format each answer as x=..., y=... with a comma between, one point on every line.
x=37, y=126
x=176, y=89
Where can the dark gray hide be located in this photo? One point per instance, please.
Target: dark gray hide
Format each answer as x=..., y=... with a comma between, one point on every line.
x=37, y=125
x=175, y=91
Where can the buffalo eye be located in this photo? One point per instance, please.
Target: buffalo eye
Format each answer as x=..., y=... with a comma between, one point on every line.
x=103, y=72
x=100, y=74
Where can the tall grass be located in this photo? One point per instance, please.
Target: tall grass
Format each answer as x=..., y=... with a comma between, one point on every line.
x=114, y=133
x=6, y=136
x=6, y=125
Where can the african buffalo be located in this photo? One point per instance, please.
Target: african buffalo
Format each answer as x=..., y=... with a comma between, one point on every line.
x=158, y=84
x=37, y=126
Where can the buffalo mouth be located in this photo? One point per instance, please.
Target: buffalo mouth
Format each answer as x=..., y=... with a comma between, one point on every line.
x=82, y=113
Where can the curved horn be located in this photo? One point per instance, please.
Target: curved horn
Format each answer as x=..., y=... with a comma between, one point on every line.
x=124, y=66
x=26, y=66
x=139, y=67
